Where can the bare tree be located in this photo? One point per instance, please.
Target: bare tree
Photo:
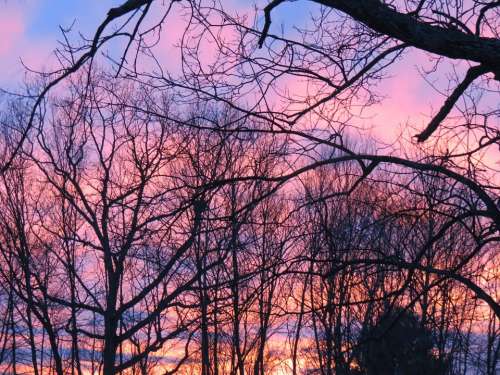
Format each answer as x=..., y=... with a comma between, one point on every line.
x=149, y=211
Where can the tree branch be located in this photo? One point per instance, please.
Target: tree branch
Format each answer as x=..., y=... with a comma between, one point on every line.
x=451, y=43
x=471, y=75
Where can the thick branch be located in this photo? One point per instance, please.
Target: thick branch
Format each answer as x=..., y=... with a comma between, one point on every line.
x=451, y=43
x=267, y=19
x=471, y=75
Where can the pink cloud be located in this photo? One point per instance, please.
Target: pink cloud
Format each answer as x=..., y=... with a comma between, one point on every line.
x=16, y=46
x=12, y=27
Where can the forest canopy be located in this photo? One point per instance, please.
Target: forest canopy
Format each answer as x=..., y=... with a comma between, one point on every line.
x=193, y=189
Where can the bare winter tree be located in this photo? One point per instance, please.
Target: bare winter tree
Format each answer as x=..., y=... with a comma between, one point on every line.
x=186, y=218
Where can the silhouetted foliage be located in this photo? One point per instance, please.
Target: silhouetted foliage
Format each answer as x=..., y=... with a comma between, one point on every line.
x=399, y=344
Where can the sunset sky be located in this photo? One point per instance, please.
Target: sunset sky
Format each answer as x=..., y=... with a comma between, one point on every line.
x=30, y=32
x=260, y=196
x=30, y=28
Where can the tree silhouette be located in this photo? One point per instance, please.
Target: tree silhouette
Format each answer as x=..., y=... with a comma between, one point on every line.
x=399, y=344
x=231, y=213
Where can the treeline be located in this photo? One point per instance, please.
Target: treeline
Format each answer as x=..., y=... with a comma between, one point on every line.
x=139, y=236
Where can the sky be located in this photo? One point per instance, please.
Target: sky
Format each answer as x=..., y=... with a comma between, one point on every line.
x=30, y=31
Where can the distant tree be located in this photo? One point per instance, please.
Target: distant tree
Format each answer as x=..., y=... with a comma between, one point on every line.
x=398, y=344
